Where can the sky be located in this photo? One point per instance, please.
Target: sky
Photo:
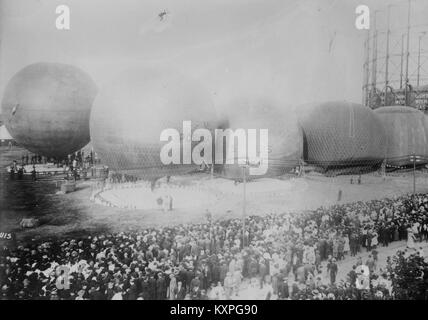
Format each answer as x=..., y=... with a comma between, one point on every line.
x=296, y=51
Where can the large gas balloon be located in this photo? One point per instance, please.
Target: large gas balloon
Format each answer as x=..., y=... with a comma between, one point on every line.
x=132, y=111
x=342, y=136
x=284, y=144
x=46, y=108
x=407, y=130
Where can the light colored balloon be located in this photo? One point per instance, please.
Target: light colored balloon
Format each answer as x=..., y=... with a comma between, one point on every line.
x=285, y=139
x=131, y=112
x=407, y=130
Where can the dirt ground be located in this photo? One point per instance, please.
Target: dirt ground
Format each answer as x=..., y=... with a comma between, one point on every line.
x=75, y=214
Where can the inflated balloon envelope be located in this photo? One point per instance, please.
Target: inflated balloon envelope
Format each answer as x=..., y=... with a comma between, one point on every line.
x=342, y=135
x=46, y=108
x=133, y=110
x=284, y=138
x=407, y=132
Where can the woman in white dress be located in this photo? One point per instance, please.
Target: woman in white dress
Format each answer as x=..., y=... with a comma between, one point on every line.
x=410, y=239
x=375, y=240
x=346, y=247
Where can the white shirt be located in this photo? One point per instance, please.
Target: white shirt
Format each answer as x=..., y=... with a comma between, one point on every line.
x=117, y=296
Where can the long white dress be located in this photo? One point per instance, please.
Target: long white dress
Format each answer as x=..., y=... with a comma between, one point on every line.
x=410, y=239
x=346, y=247
x=375, y=241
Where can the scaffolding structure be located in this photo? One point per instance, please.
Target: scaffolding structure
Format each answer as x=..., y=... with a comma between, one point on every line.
x=396, y=55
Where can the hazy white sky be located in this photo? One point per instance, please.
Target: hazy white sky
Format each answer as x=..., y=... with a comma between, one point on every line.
x=297, y=51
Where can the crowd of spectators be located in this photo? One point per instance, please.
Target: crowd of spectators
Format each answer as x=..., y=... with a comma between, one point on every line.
x=287, y=256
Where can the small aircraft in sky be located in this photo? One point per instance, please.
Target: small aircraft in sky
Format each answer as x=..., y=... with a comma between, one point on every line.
x=162, y=15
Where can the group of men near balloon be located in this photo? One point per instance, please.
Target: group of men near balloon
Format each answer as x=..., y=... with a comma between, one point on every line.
x=287, y=256
x=33, y=159
x=74, y=164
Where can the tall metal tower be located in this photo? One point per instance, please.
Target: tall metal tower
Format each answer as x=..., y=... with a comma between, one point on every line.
x=393, y=66
x=406, y=87
x=388, y=33
x=402, y=61
x=366, y=68
x=374, y=58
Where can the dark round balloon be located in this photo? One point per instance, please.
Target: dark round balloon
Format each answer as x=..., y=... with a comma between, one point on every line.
x=46, y=108
x=131, y=112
